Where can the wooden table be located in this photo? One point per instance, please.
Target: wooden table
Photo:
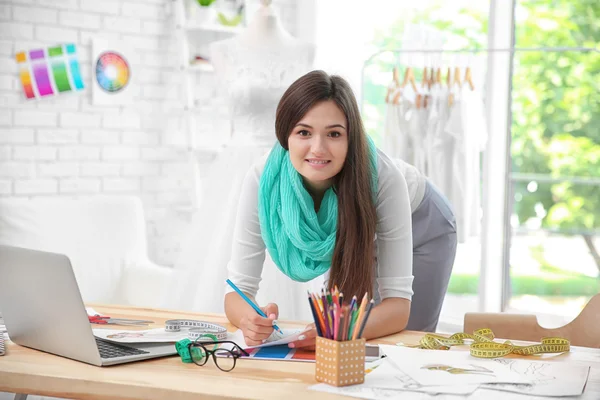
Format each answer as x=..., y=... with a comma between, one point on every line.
x=23, y=370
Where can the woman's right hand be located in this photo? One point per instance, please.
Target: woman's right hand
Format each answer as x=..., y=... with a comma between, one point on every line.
x=257, y=328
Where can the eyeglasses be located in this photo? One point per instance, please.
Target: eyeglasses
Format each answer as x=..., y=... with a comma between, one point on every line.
x=224, y=353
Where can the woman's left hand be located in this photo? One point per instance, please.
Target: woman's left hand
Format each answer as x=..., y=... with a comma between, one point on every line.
x=306, y=341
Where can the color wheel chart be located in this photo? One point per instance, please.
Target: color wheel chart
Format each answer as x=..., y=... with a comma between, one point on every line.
x=48, y=72
x=112, y=72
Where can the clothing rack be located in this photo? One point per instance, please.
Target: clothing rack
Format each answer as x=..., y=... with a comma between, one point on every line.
x=469, y=51
x=510, y=176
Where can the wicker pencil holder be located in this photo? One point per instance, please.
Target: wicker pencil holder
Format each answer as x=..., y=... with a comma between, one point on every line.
x=340, y=363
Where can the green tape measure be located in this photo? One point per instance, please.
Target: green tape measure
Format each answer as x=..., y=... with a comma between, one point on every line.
x=183, y=348
x=483, y=345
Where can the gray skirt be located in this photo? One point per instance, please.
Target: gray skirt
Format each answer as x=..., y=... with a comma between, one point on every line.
x=434, y=250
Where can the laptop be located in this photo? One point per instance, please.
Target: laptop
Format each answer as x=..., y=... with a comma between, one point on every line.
x=43, y=309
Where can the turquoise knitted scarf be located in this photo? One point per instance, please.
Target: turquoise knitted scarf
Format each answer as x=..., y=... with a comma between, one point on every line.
x=300, y=240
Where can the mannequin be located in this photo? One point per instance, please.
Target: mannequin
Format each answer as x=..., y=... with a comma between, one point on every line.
x=265, y=30
x=253, y=70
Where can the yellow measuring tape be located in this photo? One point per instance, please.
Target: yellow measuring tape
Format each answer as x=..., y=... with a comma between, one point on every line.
x=483, y=345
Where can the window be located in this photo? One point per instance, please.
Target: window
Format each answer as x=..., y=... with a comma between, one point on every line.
x=555, y=154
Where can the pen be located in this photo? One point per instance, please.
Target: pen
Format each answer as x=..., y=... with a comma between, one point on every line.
x=258, y=310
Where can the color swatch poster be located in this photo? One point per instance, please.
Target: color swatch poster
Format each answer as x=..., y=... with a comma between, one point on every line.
x=49, y=72
x=281, y=353
x=112, y=71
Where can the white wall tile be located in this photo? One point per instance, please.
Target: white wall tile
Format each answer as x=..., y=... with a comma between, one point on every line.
x=60, y=4
x=35, y=186
x=35, y=118
x=5, y=153
x=140, y=169
x=120, y=153
x=101, y=169
x=16, y=30
x=79, y=120
x=98, y=136
x=6, y=186
x=121, y=121
x=79, y=20
x=145, y=11
x=6, y=118
x=145, y=138
x=34, y=153
x=35, y=15
x=17, y=169
x=5, y=12
x=121, y=185
x=6, y=47
x=122, y=24
x=53, y=34
x=54, y=136
x=62, y=169
x=14, y=135
x=79, y=186
x=102, y=7
x=81, y=153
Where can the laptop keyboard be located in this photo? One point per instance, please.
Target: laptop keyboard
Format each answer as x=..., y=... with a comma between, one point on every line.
x=112, y=350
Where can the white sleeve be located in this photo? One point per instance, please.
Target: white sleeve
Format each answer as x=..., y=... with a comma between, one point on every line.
x=394, y=234
x=248, y=248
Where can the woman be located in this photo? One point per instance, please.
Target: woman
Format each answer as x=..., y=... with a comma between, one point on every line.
x=327, y=201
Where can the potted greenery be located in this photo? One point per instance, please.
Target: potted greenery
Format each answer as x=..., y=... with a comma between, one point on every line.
x=202, y=11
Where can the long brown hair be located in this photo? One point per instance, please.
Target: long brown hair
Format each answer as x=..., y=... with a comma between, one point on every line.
x=354, y=253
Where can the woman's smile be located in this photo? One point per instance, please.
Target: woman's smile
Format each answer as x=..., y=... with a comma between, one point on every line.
x=317, y=163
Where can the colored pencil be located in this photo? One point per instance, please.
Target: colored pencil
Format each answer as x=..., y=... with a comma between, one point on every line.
x=314, y=314
x=361, y=311
x=341, y=329
x=326, y=319
x=352, y=317
x=366, y=317
x=347, y=323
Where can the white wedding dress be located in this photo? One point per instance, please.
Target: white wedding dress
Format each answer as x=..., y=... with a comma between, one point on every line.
x=254, y=83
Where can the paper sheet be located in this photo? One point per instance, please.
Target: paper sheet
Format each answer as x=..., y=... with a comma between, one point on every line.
x=549, y=379
x=364, y=392
x=276, y=338
x=159, y=335
x=446, y=368
x=387, y=376
x=387, y=381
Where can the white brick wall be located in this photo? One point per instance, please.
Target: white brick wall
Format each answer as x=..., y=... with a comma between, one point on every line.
x=66, y=145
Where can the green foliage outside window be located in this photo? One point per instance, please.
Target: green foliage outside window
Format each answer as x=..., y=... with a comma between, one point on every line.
x=555, y=115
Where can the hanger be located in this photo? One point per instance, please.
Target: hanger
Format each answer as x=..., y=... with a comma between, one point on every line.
x=409, y=76
x=457, y=76
x=426, y=82
x=420, y=100
x=469, y=78
x=394, y=88
x=449, y=83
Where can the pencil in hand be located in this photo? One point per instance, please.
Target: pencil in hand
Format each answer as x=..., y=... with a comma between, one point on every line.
x=251, y=303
